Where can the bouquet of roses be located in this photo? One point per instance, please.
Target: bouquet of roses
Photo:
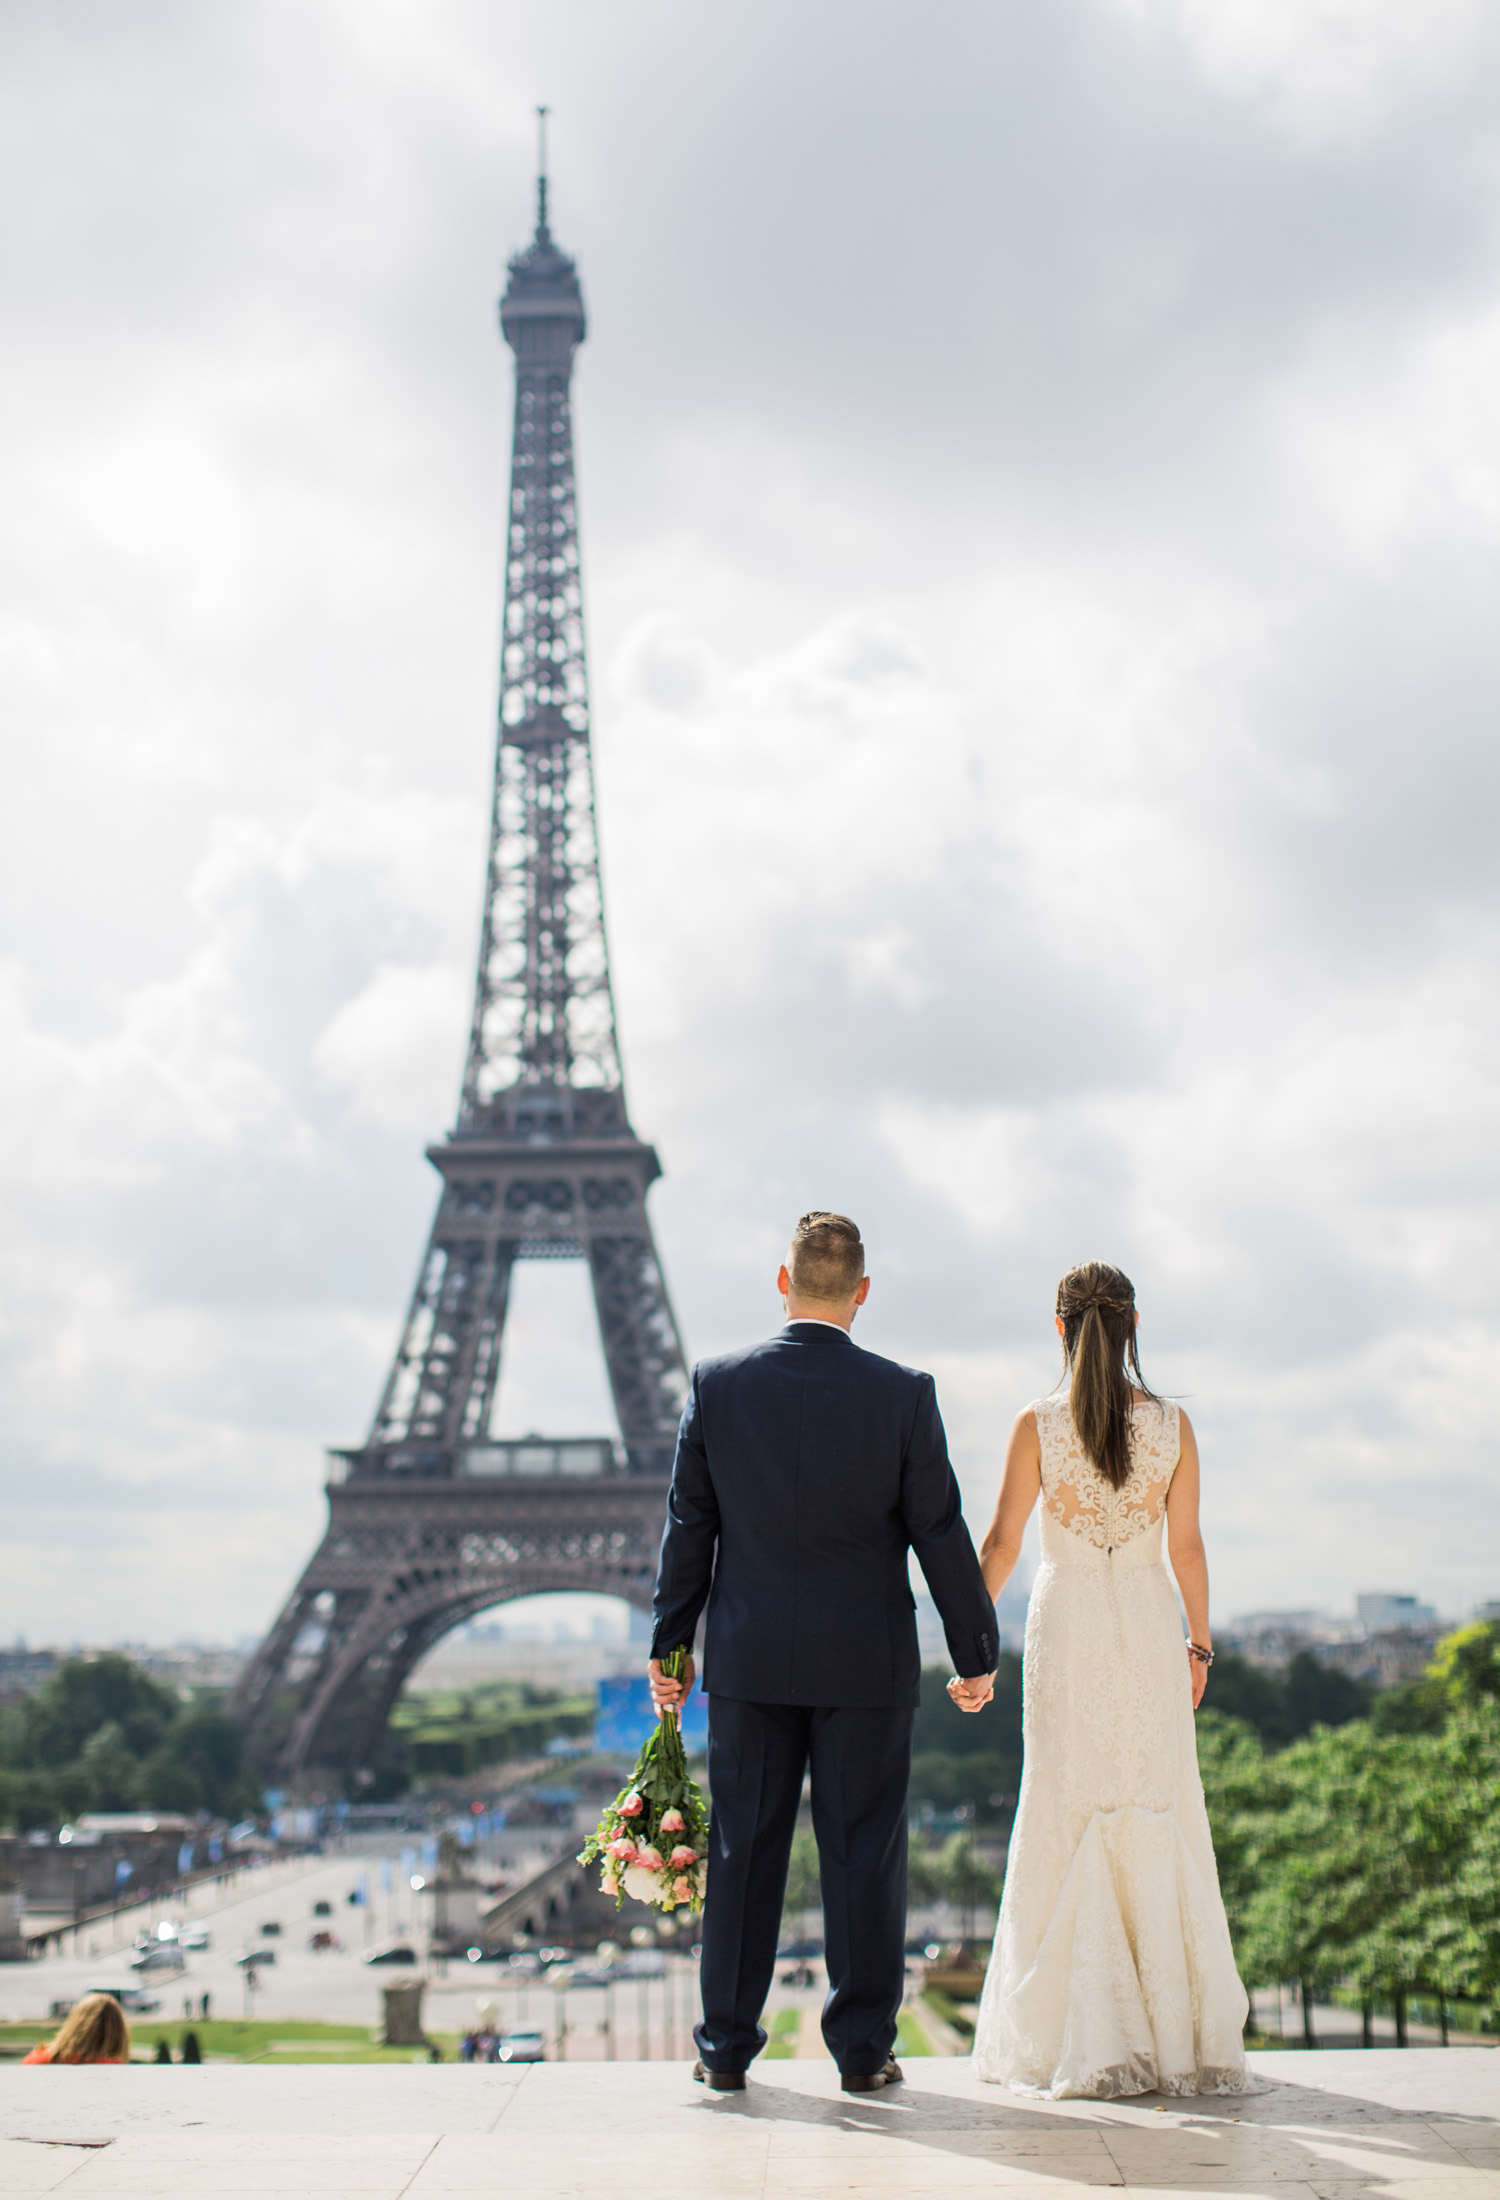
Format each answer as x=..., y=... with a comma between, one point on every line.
x=653, y=1839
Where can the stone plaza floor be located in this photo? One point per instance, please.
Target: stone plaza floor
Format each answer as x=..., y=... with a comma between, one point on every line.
x=1419, y=2125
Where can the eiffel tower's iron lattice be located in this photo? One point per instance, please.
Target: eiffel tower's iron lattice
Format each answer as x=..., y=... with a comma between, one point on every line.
x=431, y=1519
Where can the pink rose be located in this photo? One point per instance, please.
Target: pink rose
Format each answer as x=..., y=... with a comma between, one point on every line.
x=622, y=1849
x=682, y=1860
x=673, y=1822
x=632, y=1806
x=683, y=1889
x=649, y=1859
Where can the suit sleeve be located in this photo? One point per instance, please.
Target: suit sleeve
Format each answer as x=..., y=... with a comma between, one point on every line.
x=685, y=1569
x=934, y=1521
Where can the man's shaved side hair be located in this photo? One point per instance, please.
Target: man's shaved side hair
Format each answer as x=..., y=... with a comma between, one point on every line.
x=827, y=1261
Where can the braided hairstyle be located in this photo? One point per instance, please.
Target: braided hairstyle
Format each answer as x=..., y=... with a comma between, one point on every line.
x=1096, y=1306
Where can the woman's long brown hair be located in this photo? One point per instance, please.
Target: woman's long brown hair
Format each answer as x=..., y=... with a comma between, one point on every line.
x=1096, y=1306
x=94, y=2030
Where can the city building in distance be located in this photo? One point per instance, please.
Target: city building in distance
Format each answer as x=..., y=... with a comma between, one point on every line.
x=1389, y=1637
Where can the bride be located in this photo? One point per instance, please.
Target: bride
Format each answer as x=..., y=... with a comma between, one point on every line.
x=1112, y=1971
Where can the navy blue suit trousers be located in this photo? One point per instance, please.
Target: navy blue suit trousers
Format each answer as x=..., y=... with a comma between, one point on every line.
x=860, y=1761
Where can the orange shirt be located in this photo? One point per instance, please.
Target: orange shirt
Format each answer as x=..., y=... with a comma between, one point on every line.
x=44, y=2055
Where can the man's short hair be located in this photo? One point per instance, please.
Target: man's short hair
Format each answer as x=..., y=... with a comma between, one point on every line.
x=827, y=1260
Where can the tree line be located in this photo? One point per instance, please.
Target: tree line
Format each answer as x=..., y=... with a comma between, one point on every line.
x=959, y=1761
x=1366, y=1856
x=101, y=1735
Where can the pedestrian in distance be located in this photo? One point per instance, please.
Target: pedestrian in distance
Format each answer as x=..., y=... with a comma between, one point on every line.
x=94, y=2031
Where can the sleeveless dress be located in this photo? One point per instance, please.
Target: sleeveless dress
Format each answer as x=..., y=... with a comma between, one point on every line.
x=1112, y=1971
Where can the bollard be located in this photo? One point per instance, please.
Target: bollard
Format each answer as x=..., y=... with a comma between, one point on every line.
x=403, y=2014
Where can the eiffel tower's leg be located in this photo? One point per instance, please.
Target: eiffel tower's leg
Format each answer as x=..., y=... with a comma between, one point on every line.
x=442, y=1384
x=319, y=1618
x=642, y=1349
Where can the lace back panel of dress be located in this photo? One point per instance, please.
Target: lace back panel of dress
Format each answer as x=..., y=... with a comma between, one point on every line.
x=1083, y=1500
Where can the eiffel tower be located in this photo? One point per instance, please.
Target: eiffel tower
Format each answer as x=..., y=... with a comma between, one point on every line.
x=432, y=1519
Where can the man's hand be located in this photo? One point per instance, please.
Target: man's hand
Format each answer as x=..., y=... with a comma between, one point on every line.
x=972, y=1695
x=670, y=1695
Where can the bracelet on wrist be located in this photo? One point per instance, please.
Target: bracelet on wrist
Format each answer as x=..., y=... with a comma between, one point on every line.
x=1196, y=1650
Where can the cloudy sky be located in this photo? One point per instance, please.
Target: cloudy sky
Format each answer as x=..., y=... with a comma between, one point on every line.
x=1040, y=473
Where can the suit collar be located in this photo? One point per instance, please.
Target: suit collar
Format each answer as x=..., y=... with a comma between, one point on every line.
x=807, y=1329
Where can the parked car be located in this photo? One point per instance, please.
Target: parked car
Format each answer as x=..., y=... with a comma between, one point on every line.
x=270, y=1928
x=319, y=1941
x=255, y=1959
x=134, y=2000
x=397, y=1953
x=166, y=1956
x=197, y=1939
x=322, y=1909
x=519, y=2047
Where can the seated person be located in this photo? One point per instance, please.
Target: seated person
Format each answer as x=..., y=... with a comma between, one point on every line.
x=94, y=2031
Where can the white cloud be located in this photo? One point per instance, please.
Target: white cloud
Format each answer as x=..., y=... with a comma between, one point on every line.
x=1393, y=433
x=1329, y=71
x=391, y=1048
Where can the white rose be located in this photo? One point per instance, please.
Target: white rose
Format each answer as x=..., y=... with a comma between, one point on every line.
x=643, y=1886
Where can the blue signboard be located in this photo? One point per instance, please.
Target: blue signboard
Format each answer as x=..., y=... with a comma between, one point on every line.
x=626, y=1717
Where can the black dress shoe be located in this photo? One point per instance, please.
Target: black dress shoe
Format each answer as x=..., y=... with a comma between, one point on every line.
x=891, y=2075
x=719, y=2081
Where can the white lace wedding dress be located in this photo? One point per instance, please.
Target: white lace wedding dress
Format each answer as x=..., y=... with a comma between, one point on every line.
x=1112, y=1970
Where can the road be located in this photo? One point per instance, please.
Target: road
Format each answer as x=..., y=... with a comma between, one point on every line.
x=633, y=2020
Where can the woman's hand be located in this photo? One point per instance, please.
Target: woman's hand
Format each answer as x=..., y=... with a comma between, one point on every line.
x=1199, y=1671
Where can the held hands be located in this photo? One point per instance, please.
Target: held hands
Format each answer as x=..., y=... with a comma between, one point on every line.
x=972, y=1695
x=669, y=1695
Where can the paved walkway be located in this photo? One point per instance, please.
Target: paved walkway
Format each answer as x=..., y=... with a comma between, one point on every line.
x=1423, y=2125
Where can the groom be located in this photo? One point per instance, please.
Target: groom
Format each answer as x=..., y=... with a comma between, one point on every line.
x=806, y=1470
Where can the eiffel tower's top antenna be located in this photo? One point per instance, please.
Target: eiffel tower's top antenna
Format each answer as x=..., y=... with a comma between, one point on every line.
x=542, y=235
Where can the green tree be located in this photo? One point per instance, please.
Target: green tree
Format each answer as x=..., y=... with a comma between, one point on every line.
x=1284, y=1706
x=961, y=1757
x=85, y=1694
x=164, y=1782
x=210, y=1748
x=100, y=1735
x=1242, y=1791
x=804, y=1892
x=940, y=1727
x=1466, y=1664
x=977, y=1778
x=111, y=1773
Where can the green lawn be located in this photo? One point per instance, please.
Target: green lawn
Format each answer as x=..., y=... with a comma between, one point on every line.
x=781, y=2045
x=283, y=2042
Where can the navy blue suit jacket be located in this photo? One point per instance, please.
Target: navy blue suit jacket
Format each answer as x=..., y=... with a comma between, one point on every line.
x=806, y=1469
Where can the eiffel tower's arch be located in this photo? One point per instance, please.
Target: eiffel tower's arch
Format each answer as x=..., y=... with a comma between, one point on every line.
x=399, y=1569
